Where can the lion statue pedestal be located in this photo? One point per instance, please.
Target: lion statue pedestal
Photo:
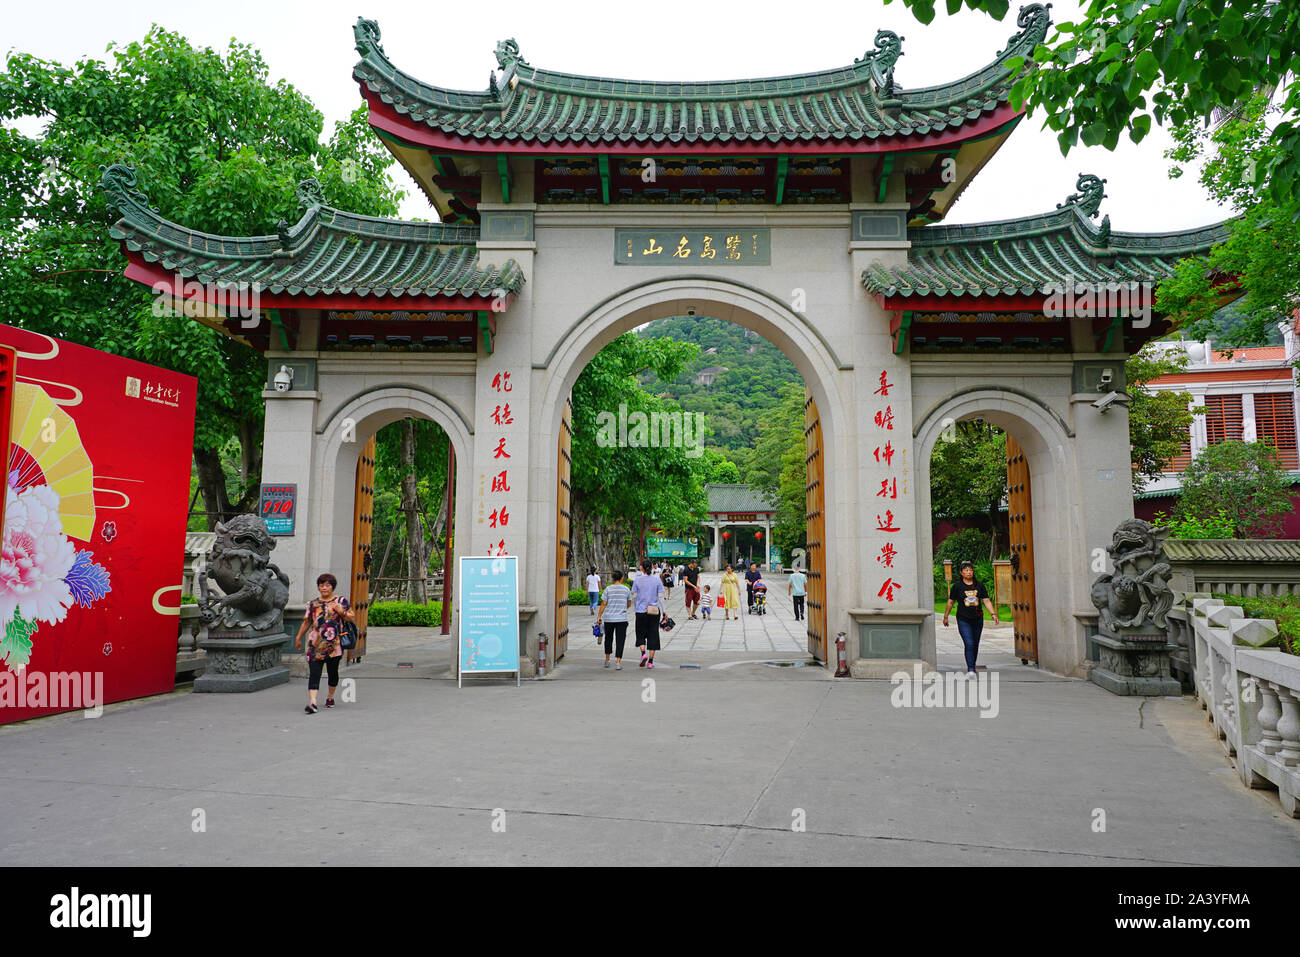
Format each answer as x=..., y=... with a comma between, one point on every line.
x=245, y=624
x=1132, y=605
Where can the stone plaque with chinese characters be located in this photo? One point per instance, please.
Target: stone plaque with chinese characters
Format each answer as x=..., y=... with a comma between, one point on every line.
x=693, y=247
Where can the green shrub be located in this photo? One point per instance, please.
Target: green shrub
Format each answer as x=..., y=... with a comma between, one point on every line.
x=577, y=597
x=405, y=613
x=983, y=575
x=1283, y=609
x=1221, y=525
x=968, y=545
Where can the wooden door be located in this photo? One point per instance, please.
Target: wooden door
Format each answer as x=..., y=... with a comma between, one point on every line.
x=1021, y=524
x=563, y=551
x=362, y=533
x=815, y=519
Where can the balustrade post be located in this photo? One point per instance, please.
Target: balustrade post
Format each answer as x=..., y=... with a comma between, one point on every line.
x=1270, y=742
x=1288, y=726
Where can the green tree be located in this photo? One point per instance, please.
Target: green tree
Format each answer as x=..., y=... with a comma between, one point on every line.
x=1239, y=482
x=779, y=467
x=1261, y=256
x=1127, y=62
x=968, y=474
x=218, y=148
x=620, y=492
x=1158, y=420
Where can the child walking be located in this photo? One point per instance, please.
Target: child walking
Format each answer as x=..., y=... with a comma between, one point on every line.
x=706, y=604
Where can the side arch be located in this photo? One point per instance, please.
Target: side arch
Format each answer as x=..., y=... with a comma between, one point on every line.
x=1048, y=444
x=336, y=463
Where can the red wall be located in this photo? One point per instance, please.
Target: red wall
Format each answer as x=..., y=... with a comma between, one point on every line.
x=1146, y=509
x=97, y=494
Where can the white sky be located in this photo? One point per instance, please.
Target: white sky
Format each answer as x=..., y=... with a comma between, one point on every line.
x=310, y=45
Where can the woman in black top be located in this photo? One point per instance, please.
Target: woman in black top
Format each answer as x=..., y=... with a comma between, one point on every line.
x=968, y=594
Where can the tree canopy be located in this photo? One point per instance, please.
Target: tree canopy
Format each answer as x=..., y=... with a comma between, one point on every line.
x=217, y=147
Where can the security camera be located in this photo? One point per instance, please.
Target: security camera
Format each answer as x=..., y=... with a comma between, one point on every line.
x=1105, y=402
x=284, y=379
x=1106, y=378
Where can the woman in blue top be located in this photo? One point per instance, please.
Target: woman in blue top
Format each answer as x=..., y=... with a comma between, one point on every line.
x=647, y=593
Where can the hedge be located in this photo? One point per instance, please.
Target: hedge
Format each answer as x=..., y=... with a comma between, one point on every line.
x=1283, y=609
x=405, y=613
x=578, y=597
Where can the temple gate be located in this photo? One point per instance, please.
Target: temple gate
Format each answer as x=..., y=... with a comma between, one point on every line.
x=803, y=208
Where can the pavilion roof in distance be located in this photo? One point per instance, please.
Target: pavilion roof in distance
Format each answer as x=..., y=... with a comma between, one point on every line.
x=853, y=109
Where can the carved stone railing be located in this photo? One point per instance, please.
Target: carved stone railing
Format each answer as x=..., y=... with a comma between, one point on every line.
x=1251, y=694
x=190, y=658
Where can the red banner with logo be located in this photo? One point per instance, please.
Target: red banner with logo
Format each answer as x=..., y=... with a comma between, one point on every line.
x=97, y=491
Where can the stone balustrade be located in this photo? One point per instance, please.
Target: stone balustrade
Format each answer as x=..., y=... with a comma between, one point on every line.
x=190, y=658
x=1251, y=694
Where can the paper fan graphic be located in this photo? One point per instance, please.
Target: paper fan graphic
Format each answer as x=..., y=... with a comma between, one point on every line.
x=47, y=448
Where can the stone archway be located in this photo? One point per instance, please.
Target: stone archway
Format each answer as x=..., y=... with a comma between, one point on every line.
x=1046, y=440
x=340, y=448
x=793, y=333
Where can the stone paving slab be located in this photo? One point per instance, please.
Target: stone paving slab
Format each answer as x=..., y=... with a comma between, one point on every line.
x=588, y=772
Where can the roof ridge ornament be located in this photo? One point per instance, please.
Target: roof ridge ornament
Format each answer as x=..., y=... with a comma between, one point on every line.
x=507, y=54
x=366, y=35
x=881, y=60
x=1033, y=21
x=310, y=194
x=1091, y=191
x=118, y=182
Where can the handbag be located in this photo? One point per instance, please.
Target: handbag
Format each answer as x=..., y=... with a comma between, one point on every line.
x=722, y=601
x=348, y=641
x=652, y=609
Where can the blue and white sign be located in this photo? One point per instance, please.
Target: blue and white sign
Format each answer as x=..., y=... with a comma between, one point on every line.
x=488, y=606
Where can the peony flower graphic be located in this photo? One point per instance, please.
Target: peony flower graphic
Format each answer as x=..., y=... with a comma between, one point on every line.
x=109, y=531
x=35, y=557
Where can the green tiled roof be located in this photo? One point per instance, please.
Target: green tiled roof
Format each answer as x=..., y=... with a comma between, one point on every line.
x=1031, y=255
x=737, y=498
x=853, y=103
x=328, y=251
x=1233, y=550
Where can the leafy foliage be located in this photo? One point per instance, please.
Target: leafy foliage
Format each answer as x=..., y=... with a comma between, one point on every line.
x=16, y=644
x=1218, y=525
x=1284, y=610
x=1261, y=256
x=1158, y=420
x=216, y=146
x=404, y=614
x=1240, y=482
x=1127, y=62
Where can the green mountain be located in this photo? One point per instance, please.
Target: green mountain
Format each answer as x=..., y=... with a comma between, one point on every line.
x=736, y=380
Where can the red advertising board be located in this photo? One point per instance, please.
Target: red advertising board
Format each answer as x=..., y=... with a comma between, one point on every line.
x=96, y=499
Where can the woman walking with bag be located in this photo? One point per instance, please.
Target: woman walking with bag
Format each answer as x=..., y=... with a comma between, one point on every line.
x=613, y=614
x=325, y=615
x=647, y=594
x=731, y=593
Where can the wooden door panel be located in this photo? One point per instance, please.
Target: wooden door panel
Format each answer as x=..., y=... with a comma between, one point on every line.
x=563, y=524
x=1021, y=526
x=815, y=519
x=362, y=535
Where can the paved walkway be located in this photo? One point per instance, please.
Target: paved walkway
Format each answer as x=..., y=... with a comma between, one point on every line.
x=707, y=766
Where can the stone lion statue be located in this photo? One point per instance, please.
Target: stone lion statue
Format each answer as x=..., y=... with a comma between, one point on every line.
x=1138, y=591
x=254, y=590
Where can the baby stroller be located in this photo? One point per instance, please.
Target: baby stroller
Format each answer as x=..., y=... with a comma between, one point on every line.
x=760, y=598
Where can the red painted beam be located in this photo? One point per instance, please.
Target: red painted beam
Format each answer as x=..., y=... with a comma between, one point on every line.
x=384, y=117
x=936, y=303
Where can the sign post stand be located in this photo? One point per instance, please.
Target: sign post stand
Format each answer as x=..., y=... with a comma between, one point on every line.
x=487, y=602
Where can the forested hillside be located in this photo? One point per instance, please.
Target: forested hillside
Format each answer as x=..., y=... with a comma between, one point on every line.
x=736, y=401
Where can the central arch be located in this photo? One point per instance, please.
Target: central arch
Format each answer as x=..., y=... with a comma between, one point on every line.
x=827, y=377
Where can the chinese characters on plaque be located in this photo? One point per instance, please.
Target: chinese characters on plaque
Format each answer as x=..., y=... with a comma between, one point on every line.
x=494, y=485
x=891, y=486
x=727, y=246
